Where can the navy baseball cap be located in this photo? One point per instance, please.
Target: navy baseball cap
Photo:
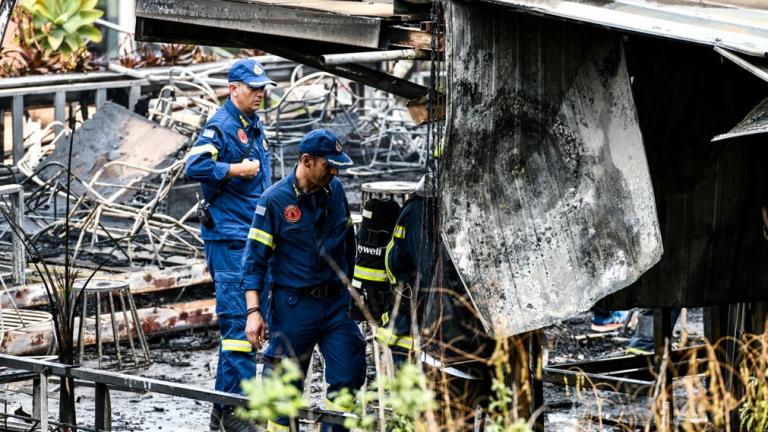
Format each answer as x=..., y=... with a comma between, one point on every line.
x=323, y=142
x=250, y=72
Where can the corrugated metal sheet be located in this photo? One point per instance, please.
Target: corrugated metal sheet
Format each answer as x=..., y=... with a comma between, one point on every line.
x=738, y=25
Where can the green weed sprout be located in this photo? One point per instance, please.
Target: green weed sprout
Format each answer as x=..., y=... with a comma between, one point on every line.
x=274, y=395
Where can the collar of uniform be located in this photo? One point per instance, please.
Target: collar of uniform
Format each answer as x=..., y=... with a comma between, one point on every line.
x=235, y=112
x=297, y=192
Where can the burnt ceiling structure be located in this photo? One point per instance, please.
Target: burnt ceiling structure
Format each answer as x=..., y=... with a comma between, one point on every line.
x=299, y=30
x=579, y=140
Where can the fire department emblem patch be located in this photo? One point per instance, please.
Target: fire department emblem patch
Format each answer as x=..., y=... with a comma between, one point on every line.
x=292, y=214
x=242, y=136
x=257, y=70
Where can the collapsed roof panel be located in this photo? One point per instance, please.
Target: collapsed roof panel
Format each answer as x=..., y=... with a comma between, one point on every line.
x=334, y=21
x=547, y=199
x=116, y=134
x=739, y=25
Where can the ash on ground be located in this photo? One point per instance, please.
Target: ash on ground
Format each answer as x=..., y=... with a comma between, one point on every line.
x=190, y=358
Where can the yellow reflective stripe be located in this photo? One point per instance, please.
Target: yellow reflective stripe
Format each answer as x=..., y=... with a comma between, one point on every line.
x=399, y=232
x=236, y=345
x=438, y=152
x=276, y=427
x=370, y=274
x=390, y=275
x=350, y=222
x=331, y=406
x=389, y=338
x=261, y=236
x=205, y=148
x=384, y=318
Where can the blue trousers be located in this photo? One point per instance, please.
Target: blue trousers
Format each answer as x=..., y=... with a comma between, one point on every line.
x=299, y=321
x=237, y=359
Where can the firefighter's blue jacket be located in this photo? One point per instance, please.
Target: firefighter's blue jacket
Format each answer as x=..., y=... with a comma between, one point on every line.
x=292, y=238
x=293, y=233
x=223, y=141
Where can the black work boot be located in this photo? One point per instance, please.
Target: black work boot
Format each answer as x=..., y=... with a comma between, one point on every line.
x=231, y=423
x=213, y=424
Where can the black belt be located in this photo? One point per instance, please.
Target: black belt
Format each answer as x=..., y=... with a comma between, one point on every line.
x=328, y=289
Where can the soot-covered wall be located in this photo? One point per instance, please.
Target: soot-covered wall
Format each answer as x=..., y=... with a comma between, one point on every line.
x=708, y=195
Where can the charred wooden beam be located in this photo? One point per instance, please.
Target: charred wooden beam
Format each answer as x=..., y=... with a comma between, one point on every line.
x=140, y=282
x=38, y=338
x=410, y=36
x=303, y=51
x=272, y=19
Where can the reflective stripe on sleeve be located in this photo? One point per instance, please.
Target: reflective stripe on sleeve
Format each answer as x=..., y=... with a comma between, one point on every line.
x=389, y=338
x=390, y=275
x=205, y=148
x=236, y=345
x=399, y=232
x=261, y=236
x=370, y=274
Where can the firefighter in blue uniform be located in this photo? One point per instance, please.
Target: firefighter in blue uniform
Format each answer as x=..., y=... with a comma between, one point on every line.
x=231, y=162
x=302, y=237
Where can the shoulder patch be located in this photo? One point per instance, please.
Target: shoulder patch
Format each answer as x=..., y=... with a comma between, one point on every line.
x=261, y=210
x=209, y=133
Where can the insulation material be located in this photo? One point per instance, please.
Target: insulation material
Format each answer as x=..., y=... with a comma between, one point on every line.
x=547, y=201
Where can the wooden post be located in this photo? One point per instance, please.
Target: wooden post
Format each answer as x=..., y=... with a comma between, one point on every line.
x=662, y=336
x=537, y=385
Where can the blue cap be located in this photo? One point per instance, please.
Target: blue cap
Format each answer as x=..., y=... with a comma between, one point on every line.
x=250, y=72
x=323, y=142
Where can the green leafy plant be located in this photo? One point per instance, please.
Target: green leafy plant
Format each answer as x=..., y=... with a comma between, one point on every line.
x=407, y=399
x=754, y=411
x=29, y=56
x=274, y=395
x=64, y=25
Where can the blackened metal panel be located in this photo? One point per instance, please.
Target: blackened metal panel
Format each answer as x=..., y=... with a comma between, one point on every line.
x=547, y=202
x=271, y=19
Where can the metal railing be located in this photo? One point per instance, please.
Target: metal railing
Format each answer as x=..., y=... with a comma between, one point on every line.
x=103, y=381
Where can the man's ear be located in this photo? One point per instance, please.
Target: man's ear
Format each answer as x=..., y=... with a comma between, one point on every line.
x=306, y=160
